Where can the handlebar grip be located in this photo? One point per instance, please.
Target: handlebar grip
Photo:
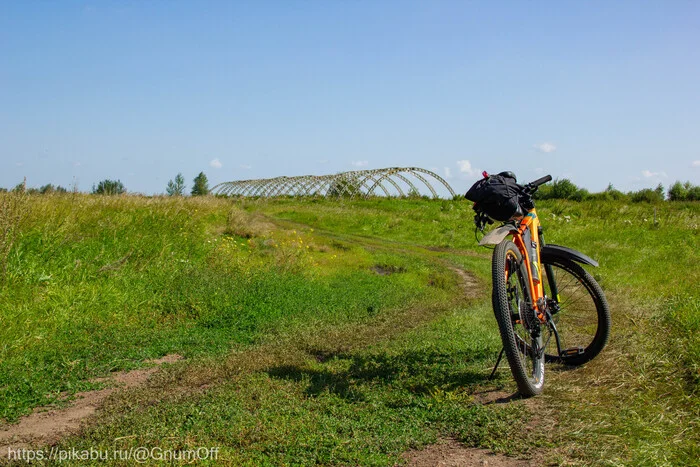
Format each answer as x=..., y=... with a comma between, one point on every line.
x=541, y=181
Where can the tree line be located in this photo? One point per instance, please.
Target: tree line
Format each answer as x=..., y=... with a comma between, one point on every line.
x=558, y=189
x=175, y=187
x=566, y=189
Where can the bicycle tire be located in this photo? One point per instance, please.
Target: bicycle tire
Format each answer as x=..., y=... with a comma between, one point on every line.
x=516, y=321
x=583, y=317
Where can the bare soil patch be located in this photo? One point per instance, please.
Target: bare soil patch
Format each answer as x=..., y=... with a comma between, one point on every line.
x=451, y=453
x=494, y=397
x=47, y=425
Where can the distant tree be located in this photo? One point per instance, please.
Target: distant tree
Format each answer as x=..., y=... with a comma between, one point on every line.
x=20, y=187
x=647, y=195
x=176, y=187
x=109, y=187
x=694, y=193
x=679, y=191
x=50, y=188
x=3, y=190
x=201, y=185
x=684, y=192
x=660, y=191
x=47, y=189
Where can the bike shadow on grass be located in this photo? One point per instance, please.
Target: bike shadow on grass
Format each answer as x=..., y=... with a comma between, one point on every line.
x=420, y=373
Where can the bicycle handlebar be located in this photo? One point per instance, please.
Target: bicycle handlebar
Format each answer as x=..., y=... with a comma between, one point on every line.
x=540, y=181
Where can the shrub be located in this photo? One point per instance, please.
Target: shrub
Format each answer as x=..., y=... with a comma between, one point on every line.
x=562, y=189
x=646, y=195
x=109, y=187
x=581, y=195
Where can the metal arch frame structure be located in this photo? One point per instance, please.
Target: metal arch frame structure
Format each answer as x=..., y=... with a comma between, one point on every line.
x=358, y=183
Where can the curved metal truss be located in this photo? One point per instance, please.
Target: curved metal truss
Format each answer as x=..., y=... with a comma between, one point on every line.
x=395, y=181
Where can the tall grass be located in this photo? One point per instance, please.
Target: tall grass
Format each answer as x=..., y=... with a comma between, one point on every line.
x=13, y=209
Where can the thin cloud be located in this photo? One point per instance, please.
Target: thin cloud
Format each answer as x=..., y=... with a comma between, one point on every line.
x=360, y=163
x=448, y=172
x=695, y=164
x=323, y=161
x=465, y=167
x=650, y=174
x=246, y=166
x=546, y=147
x=216, y=163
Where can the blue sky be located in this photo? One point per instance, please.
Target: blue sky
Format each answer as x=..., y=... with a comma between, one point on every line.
x=598, y=92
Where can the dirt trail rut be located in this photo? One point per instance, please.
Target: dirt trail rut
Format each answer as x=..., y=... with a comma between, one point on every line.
x=47, y=426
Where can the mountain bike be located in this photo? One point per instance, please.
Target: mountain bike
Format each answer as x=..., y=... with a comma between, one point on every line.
x=548, y=307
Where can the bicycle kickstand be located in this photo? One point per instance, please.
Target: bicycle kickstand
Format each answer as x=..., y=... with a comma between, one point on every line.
x=500, y=356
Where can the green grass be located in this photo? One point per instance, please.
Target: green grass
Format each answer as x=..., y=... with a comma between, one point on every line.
x=101, y=284
x=301, y=353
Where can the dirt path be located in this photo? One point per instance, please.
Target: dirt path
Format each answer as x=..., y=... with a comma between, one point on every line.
x=48, y=425
x=451, y=453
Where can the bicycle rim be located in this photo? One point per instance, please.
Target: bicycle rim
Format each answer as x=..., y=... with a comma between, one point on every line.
x=579, y=312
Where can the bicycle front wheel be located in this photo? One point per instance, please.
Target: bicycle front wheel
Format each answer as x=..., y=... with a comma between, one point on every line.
x=579, y=311
x=520, y=329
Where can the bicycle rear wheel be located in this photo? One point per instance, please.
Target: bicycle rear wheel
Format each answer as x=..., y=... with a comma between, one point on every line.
x=519, y=327
x=579, y=311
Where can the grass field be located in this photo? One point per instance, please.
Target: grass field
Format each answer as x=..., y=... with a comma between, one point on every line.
x=322, y=332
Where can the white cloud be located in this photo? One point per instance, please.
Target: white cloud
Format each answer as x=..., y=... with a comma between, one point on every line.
x=216, y=163
x=546, y=147
x=360, y=163
x=246, y=166
x=650, y=174
x=695, y=164
x=465, y=167
x=448, y=172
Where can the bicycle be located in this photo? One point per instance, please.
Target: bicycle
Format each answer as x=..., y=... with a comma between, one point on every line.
x=540, y=291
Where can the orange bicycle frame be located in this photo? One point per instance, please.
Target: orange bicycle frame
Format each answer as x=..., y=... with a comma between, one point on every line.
x=534, y=270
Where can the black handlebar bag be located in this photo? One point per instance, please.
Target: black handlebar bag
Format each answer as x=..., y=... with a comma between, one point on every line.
x=497, y=196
